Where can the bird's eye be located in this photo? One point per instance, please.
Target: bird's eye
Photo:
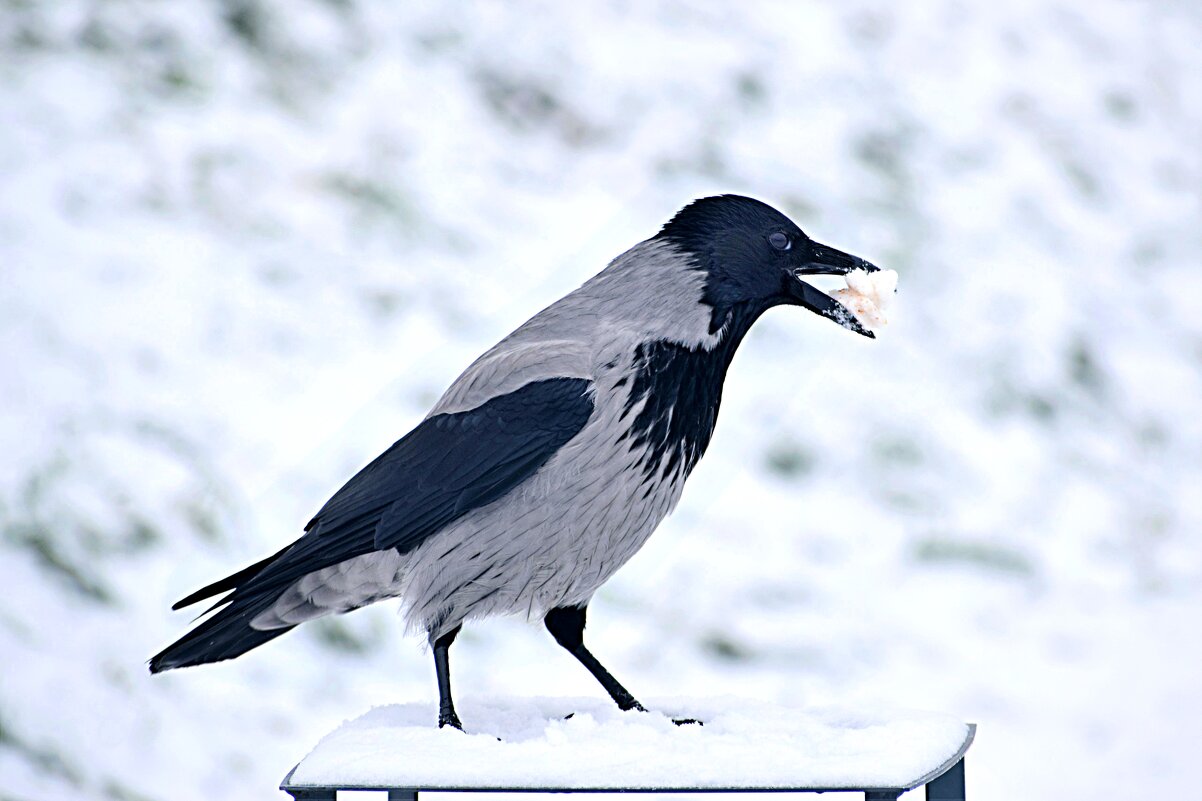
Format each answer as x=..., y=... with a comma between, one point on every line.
x=780, y=240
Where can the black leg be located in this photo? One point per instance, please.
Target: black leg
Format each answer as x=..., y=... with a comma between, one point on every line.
x=442, y=667
x=566, y=624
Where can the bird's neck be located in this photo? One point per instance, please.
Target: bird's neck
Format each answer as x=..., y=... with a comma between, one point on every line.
x=680, y=389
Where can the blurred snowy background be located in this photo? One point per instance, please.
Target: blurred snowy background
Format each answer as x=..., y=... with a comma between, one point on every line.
x=245, y=244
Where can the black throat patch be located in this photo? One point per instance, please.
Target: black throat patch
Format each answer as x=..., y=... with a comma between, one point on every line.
x=682, y=390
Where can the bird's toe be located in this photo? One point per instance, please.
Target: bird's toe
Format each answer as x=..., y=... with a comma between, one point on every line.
x=449, y=719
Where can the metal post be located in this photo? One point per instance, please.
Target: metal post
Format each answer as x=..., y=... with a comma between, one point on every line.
x=881, y=795
x=402, y=794
x=949, y=786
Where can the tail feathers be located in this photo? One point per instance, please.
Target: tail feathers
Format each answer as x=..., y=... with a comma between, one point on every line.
x=228, y=633
x=224, y=636
x=229, y=582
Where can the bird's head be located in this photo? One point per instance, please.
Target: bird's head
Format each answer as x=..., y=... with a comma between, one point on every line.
x=754, y=258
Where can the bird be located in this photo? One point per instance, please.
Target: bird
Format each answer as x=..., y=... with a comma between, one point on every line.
x=549, y=462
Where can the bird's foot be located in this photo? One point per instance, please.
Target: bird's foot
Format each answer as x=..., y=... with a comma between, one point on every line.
x=628, y=703
x=636, y=706
x=447, y=717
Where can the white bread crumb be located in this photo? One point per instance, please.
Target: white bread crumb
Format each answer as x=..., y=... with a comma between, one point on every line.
x=868, y=296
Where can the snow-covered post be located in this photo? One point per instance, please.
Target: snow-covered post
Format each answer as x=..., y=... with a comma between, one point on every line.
x=585, y=745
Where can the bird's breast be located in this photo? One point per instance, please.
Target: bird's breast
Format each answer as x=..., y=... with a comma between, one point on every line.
x=670, y=412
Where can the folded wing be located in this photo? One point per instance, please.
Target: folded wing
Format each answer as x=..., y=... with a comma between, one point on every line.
x=448, y=466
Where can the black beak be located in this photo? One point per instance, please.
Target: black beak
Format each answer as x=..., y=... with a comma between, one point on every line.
x=828, y=261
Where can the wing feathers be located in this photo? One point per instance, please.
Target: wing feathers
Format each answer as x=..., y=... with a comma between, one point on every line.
x=483, y=454
x=446, y=467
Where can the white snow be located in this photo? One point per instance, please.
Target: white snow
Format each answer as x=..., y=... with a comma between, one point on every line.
x=868, y=296
x=525, y=743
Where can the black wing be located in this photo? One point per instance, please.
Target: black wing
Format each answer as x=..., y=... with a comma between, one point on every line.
x=440, y=471
x=447, y=466
x=454, y=463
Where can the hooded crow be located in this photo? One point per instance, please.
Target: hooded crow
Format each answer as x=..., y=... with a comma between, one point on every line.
x=548, y=463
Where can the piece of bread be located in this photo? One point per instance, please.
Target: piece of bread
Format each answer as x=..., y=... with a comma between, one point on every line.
x=868, y=296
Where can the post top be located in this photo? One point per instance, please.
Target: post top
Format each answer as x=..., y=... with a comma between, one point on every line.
x=584, y=745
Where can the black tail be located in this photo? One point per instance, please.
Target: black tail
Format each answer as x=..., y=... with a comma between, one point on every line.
x=225, y=635
x=228, y=633
x=229, y=582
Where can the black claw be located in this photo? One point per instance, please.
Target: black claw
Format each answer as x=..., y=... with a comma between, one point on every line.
x=630, y=702
x=688, y=722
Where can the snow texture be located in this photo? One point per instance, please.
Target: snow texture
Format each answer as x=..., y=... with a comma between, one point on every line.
x=526, y=743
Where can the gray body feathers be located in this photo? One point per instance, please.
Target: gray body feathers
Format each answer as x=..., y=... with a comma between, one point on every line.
x=549, y=462
x=557, y=536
